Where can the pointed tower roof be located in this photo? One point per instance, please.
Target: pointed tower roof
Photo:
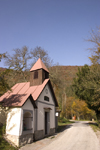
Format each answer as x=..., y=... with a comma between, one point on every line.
x=39, y=65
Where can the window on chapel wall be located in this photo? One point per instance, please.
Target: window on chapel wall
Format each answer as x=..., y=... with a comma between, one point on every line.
x=46, y=75
x=35, y=74
x=46, y=98
x=27, y=121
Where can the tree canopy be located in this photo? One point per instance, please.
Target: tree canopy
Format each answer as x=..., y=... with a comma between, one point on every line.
x=4, y=86
x=87, y=83
x=87, y=86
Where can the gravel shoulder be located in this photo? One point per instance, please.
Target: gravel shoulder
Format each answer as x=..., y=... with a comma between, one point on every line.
x=98, y=135
x=78, y=135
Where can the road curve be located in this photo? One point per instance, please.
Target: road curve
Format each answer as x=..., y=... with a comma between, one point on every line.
x=79, y=136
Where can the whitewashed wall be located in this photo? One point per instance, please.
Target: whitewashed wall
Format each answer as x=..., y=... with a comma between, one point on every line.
x=13, y=121
x=28, y=105
x=41, y=104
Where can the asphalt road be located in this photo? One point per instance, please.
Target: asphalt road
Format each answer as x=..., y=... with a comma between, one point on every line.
x=79, y=136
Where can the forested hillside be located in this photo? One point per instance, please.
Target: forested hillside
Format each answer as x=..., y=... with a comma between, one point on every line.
x=61, y=78
x=62, y=81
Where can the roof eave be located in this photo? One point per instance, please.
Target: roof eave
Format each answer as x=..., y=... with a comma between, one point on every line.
x=32, y=101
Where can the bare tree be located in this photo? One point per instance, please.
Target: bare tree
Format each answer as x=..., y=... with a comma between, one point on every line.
x=95, y=51
x=18, y=61
x=2, y=56
x=39, y=52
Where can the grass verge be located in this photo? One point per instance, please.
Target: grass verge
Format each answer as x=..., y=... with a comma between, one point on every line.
x=3, y=144
x=62, y=125
x=95, y=126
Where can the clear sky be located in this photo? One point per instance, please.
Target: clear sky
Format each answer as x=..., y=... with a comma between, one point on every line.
x=58, y=26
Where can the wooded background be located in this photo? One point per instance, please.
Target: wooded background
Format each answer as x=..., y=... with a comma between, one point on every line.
x=77, y=88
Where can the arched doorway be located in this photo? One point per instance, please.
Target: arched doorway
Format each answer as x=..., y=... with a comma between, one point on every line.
x=27, y=121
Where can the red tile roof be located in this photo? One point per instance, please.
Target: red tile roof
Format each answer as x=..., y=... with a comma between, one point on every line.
x=39, y=65
x=20, y=92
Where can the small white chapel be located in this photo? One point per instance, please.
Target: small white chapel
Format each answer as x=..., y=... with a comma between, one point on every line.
x=32, y=113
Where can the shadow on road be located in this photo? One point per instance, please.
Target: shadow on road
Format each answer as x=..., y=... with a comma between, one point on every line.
x=61, y=128
x=93, y=123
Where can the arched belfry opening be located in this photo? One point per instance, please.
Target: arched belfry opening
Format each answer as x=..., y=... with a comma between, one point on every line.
x=38, y=73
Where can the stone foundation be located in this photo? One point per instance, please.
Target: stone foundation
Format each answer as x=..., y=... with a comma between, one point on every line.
x=28, y=138
x=20, y=140
x=13, y=138
x=39, y=134
x=52, y=131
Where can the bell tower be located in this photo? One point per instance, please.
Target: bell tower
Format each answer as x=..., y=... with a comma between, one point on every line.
x=38, y=73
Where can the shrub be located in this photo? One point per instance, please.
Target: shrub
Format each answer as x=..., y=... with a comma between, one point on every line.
x=63, y=120
x=4, y=129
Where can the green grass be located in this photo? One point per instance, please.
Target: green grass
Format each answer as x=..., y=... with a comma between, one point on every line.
x=65, y=123
x=3, y=144
x=62, y=124
x=95, y=126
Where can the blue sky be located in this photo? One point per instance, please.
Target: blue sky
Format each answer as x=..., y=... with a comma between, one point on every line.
x=58, y=26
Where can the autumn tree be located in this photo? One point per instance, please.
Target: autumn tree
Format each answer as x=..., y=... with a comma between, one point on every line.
x=61, y=77
x=78, y=108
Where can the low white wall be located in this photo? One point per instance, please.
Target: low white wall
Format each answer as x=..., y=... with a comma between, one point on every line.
x=13, y=121
x=14, y=127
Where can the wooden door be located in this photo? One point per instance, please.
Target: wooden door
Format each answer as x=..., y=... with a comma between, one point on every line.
x=46, y=123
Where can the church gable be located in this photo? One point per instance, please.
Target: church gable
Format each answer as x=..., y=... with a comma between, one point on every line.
x=28, y=105
x=46, y=96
